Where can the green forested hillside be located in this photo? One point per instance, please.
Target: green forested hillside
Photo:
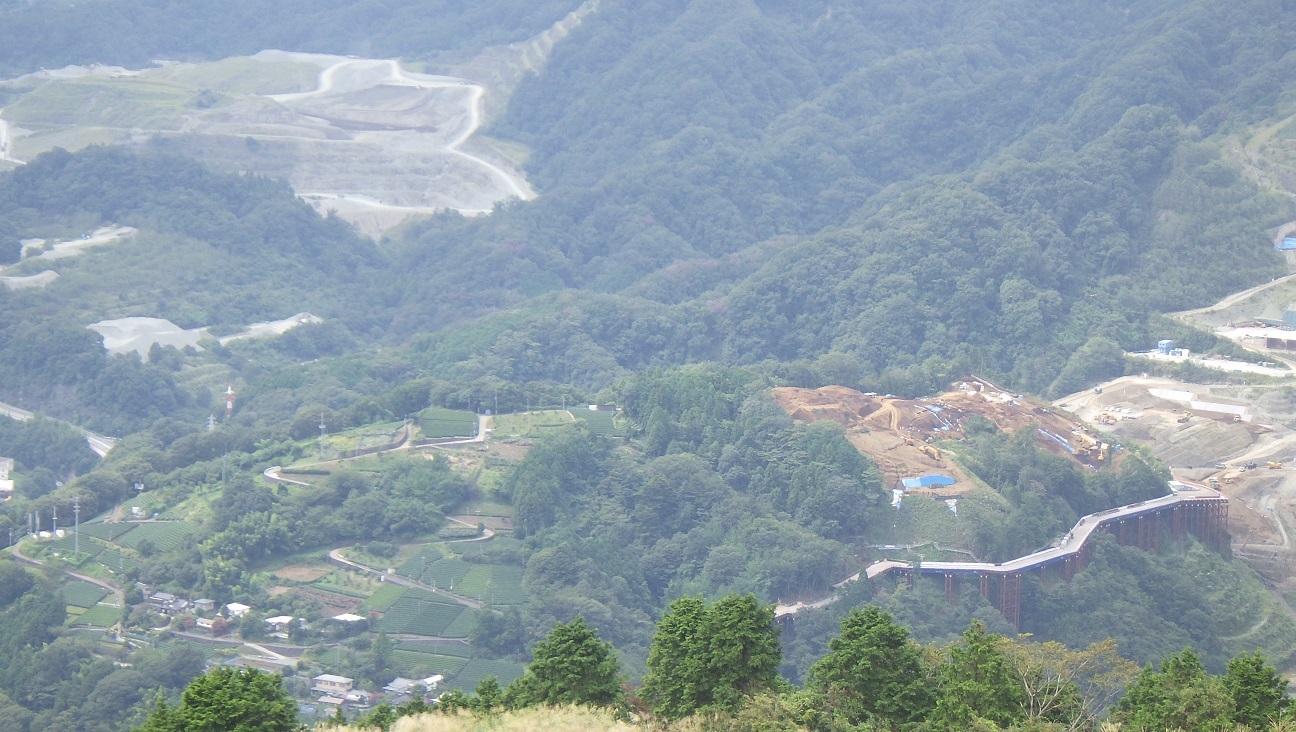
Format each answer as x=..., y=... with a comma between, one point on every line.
x=902, y=185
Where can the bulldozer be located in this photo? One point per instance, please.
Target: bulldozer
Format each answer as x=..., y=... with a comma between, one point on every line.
x=1184, y=417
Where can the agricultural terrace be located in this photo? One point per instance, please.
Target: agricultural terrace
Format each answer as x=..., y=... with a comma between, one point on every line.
x=438, y=423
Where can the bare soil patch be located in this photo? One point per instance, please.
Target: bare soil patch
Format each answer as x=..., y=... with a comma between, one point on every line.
x=897, y=434
x=301, y=574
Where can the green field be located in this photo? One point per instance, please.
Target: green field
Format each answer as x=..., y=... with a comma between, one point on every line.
x=418, y=614
x=116, y=561
x=461, y=626
x=436, y=648
x=479, y=668
x=104, y=102
x=444, y=573
x=383, y=598
x=370, y=435
x=600, y=423
x=164, y=535
x=529, y=424
x=439, y=422
x=82, y=594
x=101, y=616
x=417, y=664
x=107, y=532
x=65, y=546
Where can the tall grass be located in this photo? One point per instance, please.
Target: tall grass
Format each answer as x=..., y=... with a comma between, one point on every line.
x=567, y=719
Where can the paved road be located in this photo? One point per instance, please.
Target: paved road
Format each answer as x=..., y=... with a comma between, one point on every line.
x=99, y=443
x=117, y=592
x=337, y=558
x=1233, y=299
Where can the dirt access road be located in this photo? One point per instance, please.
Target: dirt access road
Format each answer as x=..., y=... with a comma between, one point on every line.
x=396, y=76
x=1210, y=443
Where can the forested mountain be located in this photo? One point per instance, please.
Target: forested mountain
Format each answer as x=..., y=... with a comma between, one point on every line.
x=732, y=196
x=901, y=185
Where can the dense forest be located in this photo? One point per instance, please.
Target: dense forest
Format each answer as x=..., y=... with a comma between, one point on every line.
x=733, y=196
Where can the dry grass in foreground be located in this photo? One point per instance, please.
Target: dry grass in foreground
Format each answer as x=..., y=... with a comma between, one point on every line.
x=545, y=719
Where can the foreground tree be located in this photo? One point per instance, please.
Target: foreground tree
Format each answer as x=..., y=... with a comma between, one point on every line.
x=572, y=665
x=873, y=669
x=711, y=658
x=1259, y=693
x=1181, y=695
x=978, y=682
x=1066, y=686
x=227, y=700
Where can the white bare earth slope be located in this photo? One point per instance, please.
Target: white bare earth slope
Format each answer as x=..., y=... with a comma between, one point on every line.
x=365, y=137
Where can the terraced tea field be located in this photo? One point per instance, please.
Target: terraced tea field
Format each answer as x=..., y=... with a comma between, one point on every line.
x=82, y=594
x=162, y=535
x=421, y=613
x=440, y=422
x=99, y=616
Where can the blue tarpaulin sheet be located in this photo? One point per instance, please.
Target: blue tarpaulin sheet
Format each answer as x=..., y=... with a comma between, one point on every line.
x=927, y=481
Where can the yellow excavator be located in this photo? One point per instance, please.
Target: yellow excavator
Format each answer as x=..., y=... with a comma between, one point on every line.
x=1184, y=417
x=930, y=451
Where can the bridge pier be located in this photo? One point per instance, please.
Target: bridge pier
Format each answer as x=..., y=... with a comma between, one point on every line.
x=985, y=585
x=1010, y=598
x=950, y=588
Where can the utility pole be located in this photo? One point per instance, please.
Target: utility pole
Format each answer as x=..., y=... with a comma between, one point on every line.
x=321, y=426
x=76, y=526
x=54, y=523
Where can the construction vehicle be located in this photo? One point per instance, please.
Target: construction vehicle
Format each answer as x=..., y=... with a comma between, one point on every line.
x=1184, y=417
x=930, y=451
x=1237, y=418
x=1213, y=483
x=1250, y=466
x=1275, y=465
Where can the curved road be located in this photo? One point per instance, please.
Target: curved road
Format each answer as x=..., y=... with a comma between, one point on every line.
x=1233, y=299
x=99, y=443
x=397, y=76
x=116, y=591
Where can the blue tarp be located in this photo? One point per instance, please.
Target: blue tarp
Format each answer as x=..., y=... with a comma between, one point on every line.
x=926, y=481
x=1288, y=244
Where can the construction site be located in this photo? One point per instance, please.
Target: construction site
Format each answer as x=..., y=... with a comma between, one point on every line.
x=1238, y=439
x=903, y=436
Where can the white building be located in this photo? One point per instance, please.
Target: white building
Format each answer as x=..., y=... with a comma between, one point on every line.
x=333, y=685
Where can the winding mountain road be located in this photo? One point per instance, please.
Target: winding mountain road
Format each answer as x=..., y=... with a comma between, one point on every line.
x=396, y=76
x=99, y=443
